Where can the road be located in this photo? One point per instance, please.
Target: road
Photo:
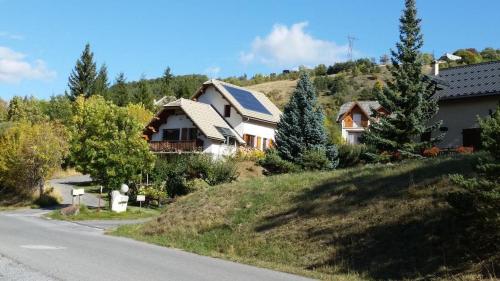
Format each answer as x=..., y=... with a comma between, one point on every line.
x=65, y=185
x=35, y=248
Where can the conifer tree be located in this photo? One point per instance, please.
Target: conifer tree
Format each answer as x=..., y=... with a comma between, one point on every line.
x=301, y=125
x=120, y=94
x=82, y=78
x=408, y=98
x=144, y=95
x=101, y=82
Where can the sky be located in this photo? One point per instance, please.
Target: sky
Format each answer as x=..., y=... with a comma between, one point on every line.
x=40, y=41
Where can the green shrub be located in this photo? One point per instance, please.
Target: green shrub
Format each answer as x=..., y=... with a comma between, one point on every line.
x=273, y=164
x=316, y=159
x=221, y=171
x=49, y=198
x=351, y=154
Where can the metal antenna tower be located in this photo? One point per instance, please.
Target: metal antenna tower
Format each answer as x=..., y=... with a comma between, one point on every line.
x=351, y=45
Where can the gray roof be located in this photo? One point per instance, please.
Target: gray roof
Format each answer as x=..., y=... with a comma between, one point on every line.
x=366, y=106
x=471, y=80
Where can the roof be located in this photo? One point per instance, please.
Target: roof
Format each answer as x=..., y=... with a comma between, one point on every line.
x=482, y=79
x=366, y=106
x=248, y=103
x=205, y=118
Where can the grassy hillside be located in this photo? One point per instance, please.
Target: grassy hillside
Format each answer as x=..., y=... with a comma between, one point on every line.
x=372, y=222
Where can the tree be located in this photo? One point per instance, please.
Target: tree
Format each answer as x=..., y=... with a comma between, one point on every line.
x=101, y=85
x=106, y=143
x=167, y=79
x=301, y=125
x=384, y=59
x=3, y=110
x=60, y=109
x=490, y=54
x=469, y=56
x=120, y=93
x=408, y=98
x=82, y=79
x=144, y=95
x=26, y=109
x=29, y=154
x=320, y=70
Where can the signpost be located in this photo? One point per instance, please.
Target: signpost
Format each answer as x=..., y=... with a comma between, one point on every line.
x=77, y=192
x=100, y=195
x=140, y=199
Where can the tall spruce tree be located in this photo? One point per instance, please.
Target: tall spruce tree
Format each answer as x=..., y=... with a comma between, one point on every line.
x=101, y=82
x=144, y=95
x=301, y=125
x=409, y=97
x=120, y=94
x=82, y=78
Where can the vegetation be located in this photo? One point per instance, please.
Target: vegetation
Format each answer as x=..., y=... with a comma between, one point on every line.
x=408, y=99
x=478, y=203
x=105, y=214
x=29, y=155
x=372, y=222
x=82, y=79
x=301, y=128
x=106, y=143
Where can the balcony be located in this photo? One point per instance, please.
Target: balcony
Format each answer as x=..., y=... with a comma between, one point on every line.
x=175, y=146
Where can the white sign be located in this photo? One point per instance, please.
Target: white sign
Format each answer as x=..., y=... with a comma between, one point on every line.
x=77, y=192
x=141, y=198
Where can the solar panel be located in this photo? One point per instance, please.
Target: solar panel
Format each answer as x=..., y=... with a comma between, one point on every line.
x=247, y=99
x=226, y=132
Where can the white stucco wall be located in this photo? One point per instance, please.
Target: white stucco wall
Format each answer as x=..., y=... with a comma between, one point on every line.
x=173, y=122
x=462, y=114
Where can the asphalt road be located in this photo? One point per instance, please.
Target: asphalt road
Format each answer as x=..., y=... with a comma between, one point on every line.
x=35, y=248
x=65, y=185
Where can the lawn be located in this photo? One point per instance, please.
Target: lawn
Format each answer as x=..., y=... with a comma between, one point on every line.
x=106, y=214
x=373, y=222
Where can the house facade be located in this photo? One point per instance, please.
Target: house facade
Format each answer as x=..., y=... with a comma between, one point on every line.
x=466, y=93
x=219, y=118
x=354, y=118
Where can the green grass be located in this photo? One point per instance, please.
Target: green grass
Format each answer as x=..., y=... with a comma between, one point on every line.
x=375, y=222
x=106, y=214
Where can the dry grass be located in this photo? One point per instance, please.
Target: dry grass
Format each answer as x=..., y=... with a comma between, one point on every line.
x=64, y=173
x=374, y=222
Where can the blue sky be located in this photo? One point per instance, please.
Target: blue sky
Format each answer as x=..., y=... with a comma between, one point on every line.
x=41, y=40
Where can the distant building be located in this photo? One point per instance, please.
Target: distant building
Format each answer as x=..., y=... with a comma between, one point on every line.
x=218, y=119
x=354, y=118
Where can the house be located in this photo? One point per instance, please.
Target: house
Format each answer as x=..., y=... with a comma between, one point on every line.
x=219, y=118
x=354, y=118
x=467, y=92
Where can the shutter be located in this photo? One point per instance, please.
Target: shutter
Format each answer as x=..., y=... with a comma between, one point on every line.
x=259, y=142
x=184, y=135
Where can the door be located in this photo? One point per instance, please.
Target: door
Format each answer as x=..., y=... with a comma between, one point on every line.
x=472, y=137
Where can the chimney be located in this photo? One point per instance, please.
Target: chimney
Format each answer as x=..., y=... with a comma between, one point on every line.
x=435, y=68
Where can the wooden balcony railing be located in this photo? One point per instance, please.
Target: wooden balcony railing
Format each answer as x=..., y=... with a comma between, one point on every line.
x=175, y=146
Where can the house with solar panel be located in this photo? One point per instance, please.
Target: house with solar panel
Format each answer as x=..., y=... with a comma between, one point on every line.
x=219, y=118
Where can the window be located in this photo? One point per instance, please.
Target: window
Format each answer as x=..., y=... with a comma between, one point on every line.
x=230, y=140
x=249, y=139
x=171, y=134
x=356, y=117
x=189, y=134
x=227, y=110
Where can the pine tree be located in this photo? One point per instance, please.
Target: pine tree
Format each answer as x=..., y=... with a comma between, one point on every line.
x=120, y=94
x=82, y=78
x=301, y=125
x=167, y=82
x=144, y=96
x=101, y=82
x=409, y=98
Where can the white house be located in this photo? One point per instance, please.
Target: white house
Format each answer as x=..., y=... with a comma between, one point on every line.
x=218, y=119
x=354, y=118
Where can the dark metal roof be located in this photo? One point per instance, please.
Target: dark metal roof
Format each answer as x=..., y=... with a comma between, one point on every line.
x=482, y=79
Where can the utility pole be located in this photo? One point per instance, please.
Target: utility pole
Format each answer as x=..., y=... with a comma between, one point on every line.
x=351, y=40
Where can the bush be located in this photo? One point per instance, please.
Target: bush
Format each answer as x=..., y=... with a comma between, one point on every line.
x=316, y=159
x=431, y=152
x=221, y=171
x=464, y=149
x=251, y=154
x=273, y=164
x=352, y=154
x=49, y=198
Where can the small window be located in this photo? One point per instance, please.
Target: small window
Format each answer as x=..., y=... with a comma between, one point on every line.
x=230, y=140
x=249, y=139
x=193, y=133
x=171, y=134
x=227, y=110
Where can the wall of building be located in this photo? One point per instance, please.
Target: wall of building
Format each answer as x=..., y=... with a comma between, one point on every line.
x=462, y=114
x=173, y=122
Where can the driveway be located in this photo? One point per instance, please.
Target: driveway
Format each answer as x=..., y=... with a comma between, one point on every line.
x=35, y=248
x=65, y=185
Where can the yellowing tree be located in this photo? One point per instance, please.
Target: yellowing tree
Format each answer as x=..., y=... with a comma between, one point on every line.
x=29, y=154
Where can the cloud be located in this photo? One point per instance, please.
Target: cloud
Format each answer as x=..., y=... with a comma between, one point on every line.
x=14, y=67
x=292, y=46
x=213, y=71
x=8, y=35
